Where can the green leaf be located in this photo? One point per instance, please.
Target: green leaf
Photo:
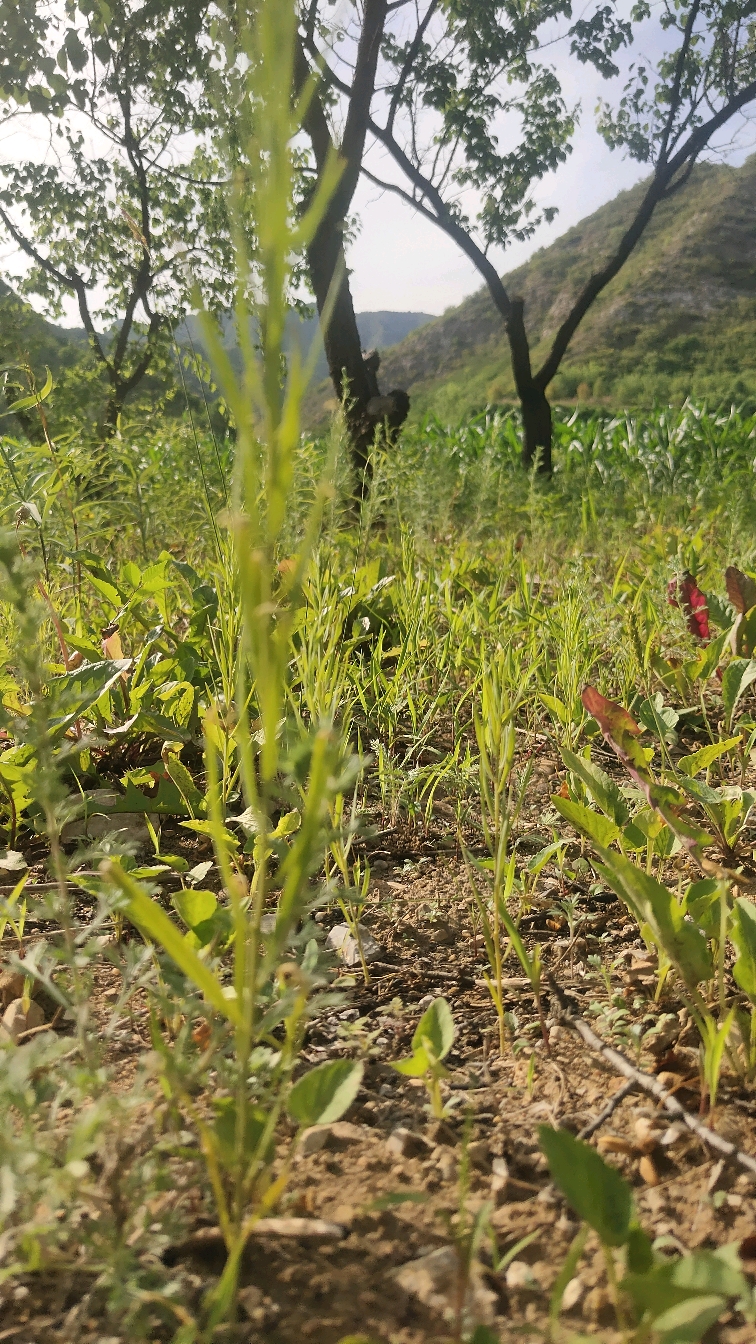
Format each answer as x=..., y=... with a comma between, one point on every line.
x=414, y=1066
x=605, y=793
x=325, y=1093
x=194, y=907
x=736, y=679
x=154, y=923
x=600, y=829
x=743, y=935
x=195, y=802
x=655, y=905
x=435, y=1028
x=688, y=1322
x=596, y=1192
x=72, y=694
x=701, y=760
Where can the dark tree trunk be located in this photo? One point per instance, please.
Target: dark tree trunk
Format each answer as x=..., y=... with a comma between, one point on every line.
x=353, y=374
x=537, y=429
x=536, y=411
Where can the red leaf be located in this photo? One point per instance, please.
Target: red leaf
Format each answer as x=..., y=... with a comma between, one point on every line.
x=741, y=590
x=685, y=594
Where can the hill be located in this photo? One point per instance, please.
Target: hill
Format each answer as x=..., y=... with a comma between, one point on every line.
x=679, y=320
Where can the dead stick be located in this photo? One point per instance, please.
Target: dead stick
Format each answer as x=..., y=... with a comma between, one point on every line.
x=609, y=1109
x=650, y=1085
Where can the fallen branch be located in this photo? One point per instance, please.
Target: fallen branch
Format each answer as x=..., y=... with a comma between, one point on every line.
x=608, y=1111
x=648, y=1084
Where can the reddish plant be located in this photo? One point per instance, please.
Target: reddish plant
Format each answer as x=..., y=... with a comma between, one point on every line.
x=685, y=593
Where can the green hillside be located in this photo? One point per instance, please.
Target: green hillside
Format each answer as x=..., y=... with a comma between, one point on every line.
x=679, y=320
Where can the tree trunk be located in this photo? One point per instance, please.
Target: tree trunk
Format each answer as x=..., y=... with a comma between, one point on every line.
x=537, y=430
x=354, y=375
x=536, y=411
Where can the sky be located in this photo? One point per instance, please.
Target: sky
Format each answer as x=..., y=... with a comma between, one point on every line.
x=400, y=261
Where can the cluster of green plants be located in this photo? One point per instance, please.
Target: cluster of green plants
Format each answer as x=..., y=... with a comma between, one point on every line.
x=287, y=669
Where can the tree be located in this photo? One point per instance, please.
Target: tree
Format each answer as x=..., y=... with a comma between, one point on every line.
x=126, y=212
x=428, y=84
x=666, y=117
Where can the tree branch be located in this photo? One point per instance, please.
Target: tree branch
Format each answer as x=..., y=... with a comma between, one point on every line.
x=409, y=61
x=662, y=184
x=674, y=101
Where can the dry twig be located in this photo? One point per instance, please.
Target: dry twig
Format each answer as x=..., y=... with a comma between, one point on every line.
x=651, y=1085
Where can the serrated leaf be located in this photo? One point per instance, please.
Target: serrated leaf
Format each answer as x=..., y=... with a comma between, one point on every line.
x=701, y=760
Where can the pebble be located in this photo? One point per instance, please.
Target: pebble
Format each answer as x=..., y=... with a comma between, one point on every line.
x=11, y=986
x=447, y=1167
x=433, y=1278
x=519, y=1275
x=342, y=941
x=405, y=1143
x=15, y=1020
x=573, y=1293
x=335, y=1135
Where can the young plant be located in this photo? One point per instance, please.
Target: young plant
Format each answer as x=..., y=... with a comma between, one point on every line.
x=431, y=1043
x=656, y=1298
x=264, y=996
x=503, y=685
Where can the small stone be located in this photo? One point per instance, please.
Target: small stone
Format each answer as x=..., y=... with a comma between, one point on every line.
x=341, y=940
x=16, y=1021
x=447, y=1167
x=311, y=1140
x=671, y=1136
x=656, y=1200
x=573, y=1293
x=11, y=986
x=519, y=1275
x=344, y=1131
x=478, y=1154
x=499, y=1180
x=404, y=1143
x=646, y=1133
x=433, y=1280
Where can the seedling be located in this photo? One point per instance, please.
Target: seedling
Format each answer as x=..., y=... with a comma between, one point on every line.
x=431, y=1043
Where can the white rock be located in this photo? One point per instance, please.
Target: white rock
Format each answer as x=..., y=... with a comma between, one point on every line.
x=312, y=1140
x=404, y=1143
x=433, y=1280
x=573, y=1293
x=15, y=1020
x=342, y=941
x=128, y=827
x=519, y=1275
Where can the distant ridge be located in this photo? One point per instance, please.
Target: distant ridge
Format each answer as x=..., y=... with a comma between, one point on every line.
x=679, y=320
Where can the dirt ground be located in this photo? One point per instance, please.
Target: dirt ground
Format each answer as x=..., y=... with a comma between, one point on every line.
x=388, y=1176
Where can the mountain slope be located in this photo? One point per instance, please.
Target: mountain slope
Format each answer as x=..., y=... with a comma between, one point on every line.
x=679, y=319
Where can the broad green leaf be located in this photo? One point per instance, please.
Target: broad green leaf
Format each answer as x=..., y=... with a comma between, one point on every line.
x=702, y=903
x=743, y=935
x=257, y=1123
x=557, y=707
x=736, y=679
x=701, y=760
x=154, y=923
x=191, y=795
x=688, y=1322
x=655, y=905
x=597, y=827
x=287, y=825
x=436, y=1027
x=596, y=1191
x=75, y=692
x=605, y=793
x=659, y=718
x=415, y=1065
x=325, y=1093
x=195, y=907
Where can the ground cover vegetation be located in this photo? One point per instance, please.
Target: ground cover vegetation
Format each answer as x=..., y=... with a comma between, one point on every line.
x=353, y=856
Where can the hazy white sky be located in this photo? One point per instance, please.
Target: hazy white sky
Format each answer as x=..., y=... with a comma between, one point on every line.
x=400, y=261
